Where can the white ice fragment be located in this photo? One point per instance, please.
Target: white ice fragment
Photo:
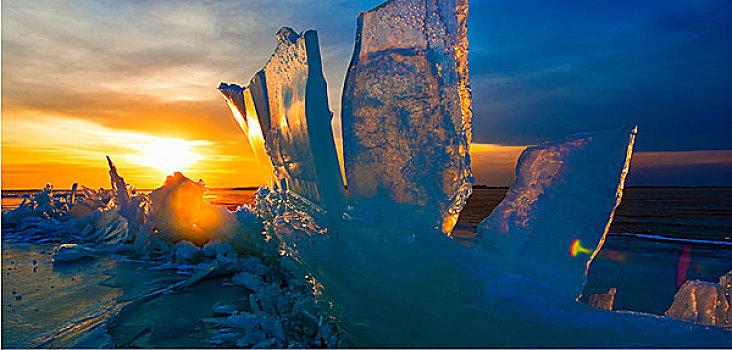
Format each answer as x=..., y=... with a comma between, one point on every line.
x=248, y=280
x=72, y=252
x=554, y=217
x=224, y=309
x=187, y=253
x=248, y=220
x=406, y=115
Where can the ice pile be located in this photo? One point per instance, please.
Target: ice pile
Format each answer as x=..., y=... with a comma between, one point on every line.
x=563, y=198
x=288, y=102
x=406, y=115
x=148, y=224
x=388, y=292
x=177, y=229
x=386, y=275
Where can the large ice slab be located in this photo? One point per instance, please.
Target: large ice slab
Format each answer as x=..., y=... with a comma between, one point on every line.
x=288, y=101
x=554, y=217
x=406, y=115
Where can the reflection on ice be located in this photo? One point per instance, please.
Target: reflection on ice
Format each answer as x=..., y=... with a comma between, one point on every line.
x=565, y=194
x=288, y=100
x=407, y=115
x=704, y=302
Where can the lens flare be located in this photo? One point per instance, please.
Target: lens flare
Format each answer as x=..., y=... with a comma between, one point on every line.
x=576, y=248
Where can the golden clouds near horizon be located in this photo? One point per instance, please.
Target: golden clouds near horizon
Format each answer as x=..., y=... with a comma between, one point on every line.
x=37, y=149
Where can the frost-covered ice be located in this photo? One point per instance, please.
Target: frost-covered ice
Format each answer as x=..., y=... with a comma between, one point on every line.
x=407, y=115
x=288, y=99
x=554, y=217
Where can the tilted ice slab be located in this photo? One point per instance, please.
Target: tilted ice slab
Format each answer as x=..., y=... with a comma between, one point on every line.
x=554, y=217
x=242, y=107
x=288, y=102
x=407, y=115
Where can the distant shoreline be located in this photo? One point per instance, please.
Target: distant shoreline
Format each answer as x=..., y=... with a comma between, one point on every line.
x=254, y=188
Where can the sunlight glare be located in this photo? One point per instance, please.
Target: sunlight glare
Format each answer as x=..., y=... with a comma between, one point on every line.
x=167, y=155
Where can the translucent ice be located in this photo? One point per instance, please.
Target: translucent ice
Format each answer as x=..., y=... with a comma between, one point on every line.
x=704, y=302
x=178, y=211
x=603, y=300
x=407, y=115
x=288, y=100
x=242, y=107
x=437, y=293
x=554, y=217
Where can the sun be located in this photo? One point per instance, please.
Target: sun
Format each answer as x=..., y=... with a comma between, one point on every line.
x=167, y=155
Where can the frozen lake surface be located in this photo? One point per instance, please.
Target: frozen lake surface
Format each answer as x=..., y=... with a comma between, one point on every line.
x=54, y=306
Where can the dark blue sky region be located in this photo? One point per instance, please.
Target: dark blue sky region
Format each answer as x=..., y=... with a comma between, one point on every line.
x=544, y=69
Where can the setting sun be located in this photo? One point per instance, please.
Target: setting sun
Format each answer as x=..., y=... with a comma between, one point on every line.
x=167, y=155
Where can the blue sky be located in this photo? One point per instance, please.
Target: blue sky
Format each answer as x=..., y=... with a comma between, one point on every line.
x=539, y=70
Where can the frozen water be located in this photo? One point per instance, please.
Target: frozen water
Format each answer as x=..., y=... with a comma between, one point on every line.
x=704, y=302
x=554, y=217
x=288, y=101
x=407, y=115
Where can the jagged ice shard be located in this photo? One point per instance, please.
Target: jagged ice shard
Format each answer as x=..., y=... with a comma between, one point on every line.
x=406, y=114
x=284, y=111
x=563, y=198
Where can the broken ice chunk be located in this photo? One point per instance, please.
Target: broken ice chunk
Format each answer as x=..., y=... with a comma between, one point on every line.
x=603, y=300
x=704, y=302
x=407, y=115
x=289, y=101
x=554, y=217
x=71, y=252
x=178, y=211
